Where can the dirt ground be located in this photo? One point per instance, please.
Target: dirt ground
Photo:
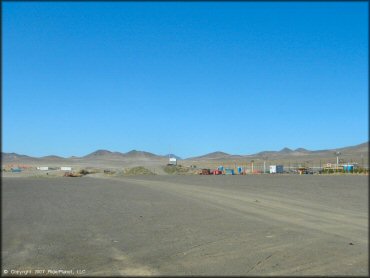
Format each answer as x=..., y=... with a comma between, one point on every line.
x=186, y=225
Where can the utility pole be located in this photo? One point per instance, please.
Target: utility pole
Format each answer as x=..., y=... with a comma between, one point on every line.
x=264, y=164
x=337, y=153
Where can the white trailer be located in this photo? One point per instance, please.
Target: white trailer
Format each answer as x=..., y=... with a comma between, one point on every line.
x=65, y=168
x=43, y=168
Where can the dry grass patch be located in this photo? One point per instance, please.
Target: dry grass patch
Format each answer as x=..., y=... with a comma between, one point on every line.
x=138, y=171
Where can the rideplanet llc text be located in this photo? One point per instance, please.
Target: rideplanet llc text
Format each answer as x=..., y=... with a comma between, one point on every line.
x=44, y=272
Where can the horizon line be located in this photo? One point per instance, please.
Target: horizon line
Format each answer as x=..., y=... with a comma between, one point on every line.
x=183, y=158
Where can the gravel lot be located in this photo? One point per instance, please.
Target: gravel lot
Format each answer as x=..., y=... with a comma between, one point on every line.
x=186, y=225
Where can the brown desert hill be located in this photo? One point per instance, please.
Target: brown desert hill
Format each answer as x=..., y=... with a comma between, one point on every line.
x=129, y=156
x=213, y=155
x=134, y=158
x=225, y=156
x=216, y=156
x=17, y=158
x=357, y=149
x=301, y=150
x=364, y=147
x=103, y=154
x=141, y=154
x=285, y=151
x=53, y=158
x=100, y=156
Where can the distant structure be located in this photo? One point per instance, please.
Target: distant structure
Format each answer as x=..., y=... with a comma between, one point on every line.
x=172, y=161
x=276, y=169
x=43, y=168
x=349, y=167
x=229, y=171
x=16, y=169
x=66, y=168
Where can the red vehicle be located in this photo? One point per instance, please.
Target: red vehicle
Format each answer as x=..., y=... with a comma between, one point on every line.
x=216, y=172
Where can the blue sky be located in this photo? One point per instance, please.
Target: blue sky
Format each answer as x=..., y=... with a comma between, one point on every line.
x=186, y=78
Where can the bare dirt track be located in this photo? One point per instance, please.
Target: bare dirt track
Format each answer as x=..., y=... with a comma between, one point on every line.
x=187, y=225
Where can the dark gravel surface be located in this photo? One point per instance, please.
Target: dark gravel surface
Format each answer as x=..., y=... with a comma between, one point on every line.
x=187, y=225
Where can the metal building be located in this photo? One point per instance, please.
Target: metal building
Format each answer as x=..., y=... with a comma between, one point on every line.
x=276, y=169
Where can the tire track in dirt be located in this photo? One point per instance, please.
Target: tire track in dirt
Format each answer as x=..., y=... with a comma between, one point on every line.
x=314, y=217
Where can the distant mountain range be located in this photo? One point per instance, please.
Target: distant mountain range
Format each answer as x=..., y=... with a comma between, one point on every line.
x=285, y=153
x=288, y=153
x=96, y=155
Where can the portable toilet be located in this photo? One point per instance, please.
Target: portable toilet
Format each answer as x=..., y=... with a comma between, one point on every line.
x=348, y=168
x=240, y=170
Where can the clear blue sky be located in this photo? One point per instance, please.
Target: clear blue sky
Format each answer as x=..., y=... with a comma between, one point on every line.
x=190, y=78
